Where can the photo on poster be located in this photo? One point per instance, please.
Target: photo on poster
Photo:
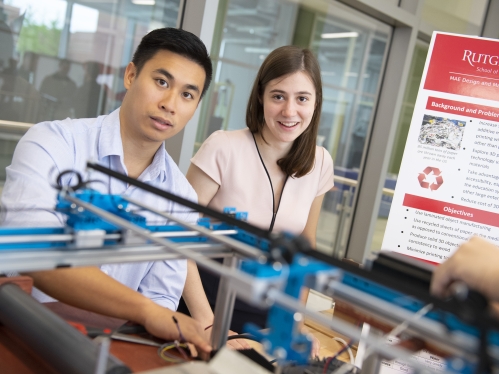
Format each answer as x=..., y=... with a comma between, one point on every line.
x=441, y=132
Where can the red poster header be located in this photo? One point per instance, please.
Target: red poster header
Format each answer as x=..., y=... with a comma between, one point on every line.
x=464, y=66
x=451, y=210
x=466, y=109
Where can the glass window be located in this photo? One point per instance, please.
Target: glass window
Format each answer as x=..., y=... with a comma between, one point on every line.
x=63, y=59
x=410, y=95
x=351, y=49
x=460, y=17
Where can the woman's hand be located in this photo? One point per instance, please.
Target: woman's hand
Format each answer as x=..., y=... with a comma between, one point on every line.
x=316, y=344
x=234, y=344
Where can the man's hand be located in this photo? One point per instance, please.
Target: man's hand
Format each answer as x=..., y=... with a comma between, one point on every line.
x=475, y=263
x=159, y=322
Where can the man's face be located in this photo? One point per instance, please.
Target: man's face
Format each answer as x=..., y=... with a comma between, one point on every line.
x=162, y=98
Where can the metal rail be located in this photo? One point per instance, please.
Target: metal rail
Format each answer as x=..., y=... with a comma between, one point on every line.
x=240, y=247
x=429, y=329
x=23, y=260
x=40, y=238
x=256, y=291
x=244, y=286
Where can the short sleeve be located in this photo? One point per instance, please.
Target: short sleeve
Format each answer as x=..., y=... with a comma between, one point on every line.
x=326, y=181
x=213, y=156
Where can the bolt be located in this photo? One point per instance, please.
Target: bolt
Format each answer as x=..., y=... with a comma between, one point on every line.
x=266, y=345
x=280, y=353
x=457, y=364
x=303, y=261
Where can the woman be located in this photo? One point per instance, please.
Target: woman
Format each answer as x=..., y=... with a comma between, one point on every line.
x=273, y=169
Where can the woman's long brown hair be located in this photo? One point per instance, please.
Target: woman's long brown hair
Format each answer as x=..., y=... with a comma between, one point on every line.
x=279, y=63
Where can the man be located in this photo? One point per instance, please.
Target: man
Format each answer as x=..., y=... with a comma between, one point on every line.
x=61, y=89
x=168, y=75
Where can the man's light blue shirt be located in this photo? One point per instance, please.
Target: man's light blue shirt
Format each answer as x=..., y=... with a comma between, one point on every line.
x=48, y=148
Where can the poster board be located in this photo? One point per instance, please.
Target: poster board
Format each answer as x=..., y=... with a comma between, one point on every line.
x=448, y=185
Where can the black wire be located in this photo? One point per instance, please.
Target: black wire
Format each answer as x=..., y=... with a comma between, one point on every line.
x=336, y=355
x=247, y=337
x=80, y=182
x=243, y=336
x=59, y=186
x=180, y=200
x=171, y=211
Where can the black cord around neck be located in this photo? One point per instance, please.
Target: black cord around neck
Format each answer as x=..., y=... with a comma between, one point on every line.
x=274, y=213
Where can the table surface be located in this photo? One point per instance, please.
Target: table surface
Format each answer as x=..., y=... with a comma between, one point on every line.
x=16, y=356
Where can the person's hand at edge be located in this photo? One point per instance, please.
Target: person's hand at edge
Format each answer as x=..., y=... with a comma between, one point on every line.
x=475, y=263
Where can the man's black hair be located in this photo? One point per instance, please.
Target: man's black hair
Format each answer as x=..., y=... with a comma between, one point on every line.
x=177, y=41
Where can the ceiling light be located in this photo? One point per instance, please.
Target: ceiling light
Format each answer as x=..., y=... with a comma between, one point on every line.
x=143, y=2
x=256, y=50
x=337, y=35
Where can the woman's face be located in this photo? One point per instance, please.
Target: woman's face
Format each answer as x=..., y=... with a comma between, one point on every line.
x=288, y=107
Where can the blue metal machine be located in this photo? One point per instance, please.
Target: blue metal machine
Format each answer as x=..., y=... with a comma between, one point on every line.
x=273, y=275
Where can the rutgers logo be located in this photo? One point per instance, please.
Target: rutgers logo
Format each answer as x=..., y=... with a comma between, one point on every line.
x=430, y=171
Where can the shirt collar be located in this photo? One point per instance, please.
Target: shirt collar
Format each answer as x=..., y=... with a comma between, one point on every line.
x=157, y=169
x=110, y=144
x=110, y=136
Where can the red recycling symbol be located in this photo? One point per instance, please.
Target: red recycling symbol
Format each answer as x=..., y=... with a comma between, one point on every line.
x=428, y=171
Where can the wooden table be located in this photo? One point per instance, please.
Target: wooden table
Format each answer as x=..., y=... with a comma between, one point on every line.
x=17, y=357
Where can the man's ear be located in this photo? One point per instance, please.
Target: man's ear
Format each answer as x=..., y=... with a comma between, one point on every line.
x=130, y=75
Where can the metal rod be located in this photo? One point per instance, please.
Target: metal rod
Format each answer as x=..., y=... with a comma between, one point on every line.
x=168, y=245
x=174, y=234
x=343, y=227
x=105, y=344
x=61, y=346
x=43, y=259
x=224, y=307
x=185, y=202
x=14, y=239
x=378, y=344
x=427, y=328
x=245, y=281
x=240, y=247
